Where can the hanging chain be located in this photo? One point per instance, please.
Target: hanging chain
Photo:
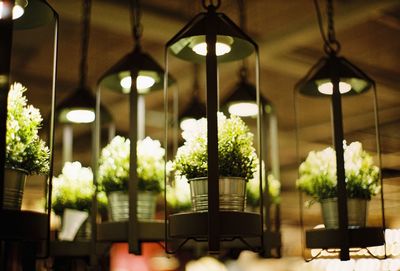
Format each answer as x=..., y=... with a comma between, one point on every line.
x=136, y=16
x=242, y=22
x=83, y=68
x=331, y=45
x=334, y=45
x=211, y=3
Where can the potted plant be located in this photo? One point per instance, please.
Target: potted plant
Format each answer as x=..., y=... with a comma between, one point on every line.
x=26, y=153
x=114, y=176
x=317, y=178
x=178, y=195
x=74, y=189
x=237, y=162
x=253, y=190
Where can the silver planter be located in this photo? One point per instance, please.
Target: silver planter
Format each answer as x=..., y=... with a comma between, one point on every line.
x=14, y=183
x=356, y=213
x=118, y=205
x=232, y=194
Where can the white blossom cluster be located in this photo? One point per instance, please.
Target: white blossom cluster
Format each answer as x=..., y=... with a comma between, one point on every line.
x=318, y=173
x=73, y=188
x=253, y=188
x=237, y=156
x=114, y=165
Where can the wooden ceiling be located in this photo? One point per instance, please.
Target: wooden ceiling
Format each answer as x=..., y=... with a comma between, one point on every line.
x=289, y=40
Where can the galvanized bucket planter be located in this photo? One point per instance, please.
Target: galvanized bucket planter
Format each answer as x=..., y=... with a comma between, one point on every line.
x=356, y=213
x=14, y=183
x=232, y=194
x=118, y=204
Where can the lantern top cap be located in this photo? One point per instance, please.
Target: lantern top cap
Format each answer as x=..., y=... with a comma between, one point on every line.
x=211, y=23
x=330, y=68
x=137, y=61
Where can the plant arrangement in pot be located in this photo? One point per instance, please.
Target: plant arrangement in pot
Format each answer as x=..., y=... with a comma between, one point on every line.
x=26, y=152
x=253, y=190
x=237, y=162
x=73, y=189
x=178, y=194
x=317, y=178
x=114, y=176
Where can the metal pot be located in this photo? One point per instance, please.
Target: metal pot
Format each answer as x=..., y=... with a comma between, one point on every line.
x=14, y=183
x=118, y=205
x=356, y=213
x=232, y=194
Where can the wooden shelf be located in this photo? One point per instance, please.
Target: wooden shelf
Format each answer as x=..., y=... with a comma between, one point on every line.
x=149, y=231
x=358, y=238
x=23, y=225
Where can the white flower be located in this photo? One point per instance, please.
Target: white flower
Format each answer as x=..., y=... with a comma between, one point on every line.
x=73, y=188
x=318, y=173
x=237, y=156
x=114, y=164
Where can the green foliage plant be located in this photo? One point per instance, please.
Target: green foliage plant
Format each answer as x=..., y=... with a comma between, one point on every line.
x=317, y=174
x=24, y=148
x=236, y=154
x=114, y=165
x=74, y=189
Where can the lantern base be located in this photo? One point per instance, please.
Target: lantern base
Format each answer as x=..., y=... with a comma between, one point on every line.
x=76, y=248
x=358, y=238
x=232, y=225
x=150, y=231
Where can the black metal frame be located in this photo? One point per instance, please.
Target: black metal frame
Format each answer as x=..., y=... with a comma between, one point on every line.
x=335, y=68
x=13, y=220
x=206, y=24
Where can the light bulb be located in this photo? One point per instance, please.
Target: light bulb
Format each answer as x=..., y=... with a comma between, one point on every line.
x=220, y=48
x=17, y=11
x=327, y=88
x=80, y=116
x=243, y=109
x=187, y=123
x=143, y=83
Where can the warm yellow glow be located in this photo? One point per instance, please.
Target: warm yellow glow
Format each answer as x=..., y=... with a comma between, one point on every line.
x=327, y=88
x=80, y=116
x=220, y=48
x=245, y=109
x=17, y=12
x=143, y=83
x=187, y=123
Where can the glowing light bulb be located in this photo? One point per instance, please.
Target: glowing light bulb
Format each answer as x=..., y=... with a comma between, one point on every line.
x=327, y=88
x=245, y=109
x=187, y=124
x=220, y=48
x=17, y=11
x=143, y=83
x=80, y=116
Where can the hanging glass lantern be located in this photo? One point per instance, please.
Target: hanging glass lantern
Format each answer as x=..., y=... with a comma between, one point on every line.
x=217, y=215
x=26, y=140
x=342, y=178
x=135, y=75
